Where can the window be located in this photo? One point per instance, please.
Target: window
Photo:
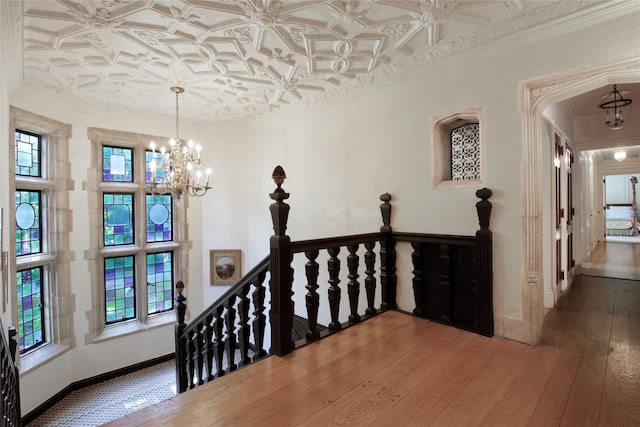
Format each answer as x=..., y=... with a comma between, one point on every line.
x=457, y=142
x=465, y=152
x=31, y=325
x=29, y=242
x=139, y=247
x=40, y=281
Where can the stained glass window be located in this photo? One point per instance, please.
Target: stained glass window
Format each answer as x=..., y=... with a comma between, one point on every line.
x=159, y=172
x=117, y=164
x=159, y=218
x=118, y=219
x=465, y=152
x=120, y=290
x=27, y=154
x=28, y=223
x=159, y=282
x=30, y=308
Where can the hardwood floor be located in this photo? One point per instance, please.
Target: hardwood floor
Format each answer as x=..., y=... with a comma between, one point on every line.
x=613, y=259
x=396, y=369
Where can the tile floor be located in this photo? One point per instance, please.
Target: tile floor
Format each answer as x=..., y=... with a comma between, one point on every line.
x=106, y=401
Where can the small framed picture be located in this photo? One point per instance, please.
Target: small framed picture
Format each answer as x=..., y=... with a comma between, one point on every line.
x=225, y=265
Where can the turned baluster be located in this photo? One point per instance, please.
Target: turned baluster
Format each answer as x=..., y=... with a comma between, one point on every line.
x=210, y=346
x=244, y=331
x=312, y=298
x=191, y=357
x=180, y=340
x=200, y=349
x=353, y=287
x=333, y=265
x=444, y=280
x=230, y=321
x=370, y=279
x=259, y=318
x=218, y=327
x=418, y=290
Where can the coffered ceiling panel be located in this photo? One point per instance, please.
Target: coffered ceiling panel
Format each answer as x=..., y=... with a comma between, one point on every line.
x=241, y=59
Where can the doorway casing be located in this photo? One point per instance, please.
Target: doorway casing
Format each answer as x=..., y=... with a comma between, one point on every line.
x=535, y=96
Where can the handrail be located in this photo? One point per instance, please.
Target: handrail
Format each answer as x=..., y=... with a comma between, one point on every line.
x=10, y=409
x=210, y=345
x=452, y=283
x=434, y=238
x=234, y=290
x=327, y=242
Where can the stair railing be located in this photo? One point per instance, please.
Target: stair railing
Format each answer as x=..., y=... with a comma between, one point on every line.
x=10, y=408
x=452, y=283
x=227, y=335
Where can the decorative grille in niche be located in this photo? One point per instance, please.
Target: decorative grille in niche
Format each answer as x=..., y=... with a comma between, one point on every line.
x=465, y=152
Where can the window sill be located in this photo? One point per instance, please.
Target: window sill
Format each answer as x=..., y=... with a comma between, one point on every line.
x=470, y=183
x=41, y=356
x=134, y=326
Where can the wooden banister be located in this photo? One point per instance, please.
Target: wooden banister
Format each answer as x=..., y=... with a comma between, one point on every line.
x=10, y=414
x=452, y=283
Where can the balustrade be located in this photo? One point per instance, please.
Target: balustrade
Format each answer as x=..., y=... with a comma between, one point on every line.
x=452, y=281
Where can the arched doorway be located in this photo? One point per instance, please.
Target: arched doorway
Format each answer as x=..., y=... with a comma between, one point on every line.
x=536, y=96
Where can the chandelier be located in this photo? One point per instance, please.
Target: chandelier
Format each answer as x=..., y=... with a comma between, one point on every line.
x=614, y=105
x=178, y=169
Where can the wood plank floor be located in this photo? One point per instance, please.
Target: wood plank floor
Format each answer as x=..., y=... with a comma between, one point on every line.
x=614, y=259
x=403, y=371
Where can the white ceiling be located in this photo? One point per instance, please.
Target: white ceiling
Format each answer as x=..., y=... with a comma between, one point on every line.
x=239, y=59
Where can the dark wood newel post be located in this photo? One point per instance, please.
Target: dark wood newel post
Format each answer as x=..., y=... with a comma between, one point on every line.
x=484, y=263
x=388, y=278
x=181, y=344
x=281, y=274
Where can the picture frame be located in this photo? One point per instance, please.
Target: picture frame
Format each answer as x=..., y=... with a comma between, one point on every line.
x=225, y=266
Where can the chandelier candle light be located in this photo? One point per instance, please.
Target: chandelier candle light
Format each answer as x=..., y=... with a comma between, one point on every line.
x=179, y=170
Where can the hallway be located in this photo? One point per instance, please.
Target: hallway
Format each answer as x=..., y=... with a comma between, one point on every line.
x=619, y=260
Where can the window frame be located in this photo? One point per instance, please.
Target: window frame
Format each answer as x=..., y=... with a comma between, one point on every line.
x=54, y=183
x=441, y=128
x=99, y=328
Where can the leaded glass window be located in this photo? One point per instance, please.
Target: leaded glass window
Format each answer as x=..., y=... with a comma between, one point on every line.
x=159, y=282
x=159, y=172
x=465, y=152
x=27, y=154
x=28, y=223
x=117, y=164
x=159, y=218
x=118, y=219
x=30, y=308
x=139, y=245
x=120, y=289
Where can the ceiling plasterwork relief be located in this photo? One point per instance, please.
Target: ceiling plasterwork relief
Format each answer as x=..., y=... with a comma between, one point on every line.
x=246, y=58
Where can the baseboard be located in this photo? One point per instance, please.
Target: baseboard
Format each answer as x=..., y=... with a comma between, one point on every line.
x=48, y=404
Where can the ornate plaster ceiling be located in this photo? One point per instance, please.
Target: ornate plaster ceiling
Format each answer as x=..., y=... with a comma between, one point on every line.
x=239, y=59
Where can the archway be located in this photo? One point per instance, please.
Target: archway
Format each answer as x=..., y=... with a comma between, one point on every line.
x=536, y=95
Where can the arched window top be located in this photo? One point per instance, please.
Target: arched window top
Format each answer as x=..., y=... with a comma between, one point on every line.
x=457, y=144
